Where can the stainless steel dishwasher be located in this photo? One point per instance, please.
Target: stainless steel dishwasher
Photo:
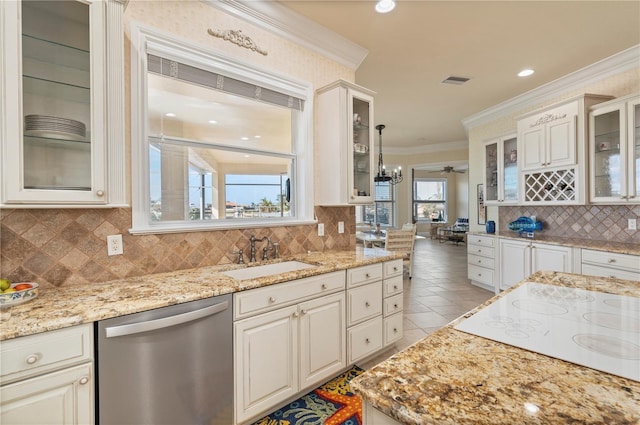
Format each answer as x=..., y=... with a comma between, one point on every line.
x=172, y=365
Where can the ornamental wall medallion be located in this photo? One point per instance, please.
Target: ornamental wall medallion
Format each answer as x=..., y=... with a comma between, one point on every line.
x=238, y=38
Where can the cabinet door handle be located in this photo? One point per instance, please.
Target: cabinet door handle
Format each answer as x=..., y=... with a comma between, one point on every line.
x=295, y=314
x=31, y=358
x=100, y=192
x=303, y=312
x=611, y=260
x=272, y=299
x=83, y=380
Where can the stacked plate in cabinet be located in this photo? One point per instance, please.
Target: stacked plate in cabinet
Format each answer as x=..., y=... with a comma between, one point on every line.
x=54, y=127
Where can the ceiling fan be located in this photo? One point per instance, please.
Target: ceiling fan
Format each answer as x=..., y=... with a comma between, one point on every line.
x=449, y=169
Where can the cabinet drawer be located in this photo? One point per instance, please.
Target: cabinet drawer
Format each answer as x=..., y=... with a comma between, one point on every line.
x=392, y=286
x=364, y=274
x=364, y=339
x=477, y=260
x=481, y=251
x=364, y=302
x=487, y=241
x=480, y=274
x=265, y=299
x=392, y=329
x=609, y=272
x=36, y=354
x=611, y=259
x=392, y=305
x=392, y=268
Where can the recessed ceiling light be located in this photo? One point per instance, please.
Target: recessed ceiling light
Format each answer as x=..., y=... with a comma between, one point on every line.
x=213, y=122
x=385, y=6
x=525, y=72
x=170, y=114
x=244, y=138
x=257, y=136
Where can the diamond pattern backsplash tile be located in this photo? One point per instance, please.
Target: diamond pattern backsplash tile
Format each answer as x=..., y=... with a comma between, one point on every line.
x=593, y=222
x=68, y=246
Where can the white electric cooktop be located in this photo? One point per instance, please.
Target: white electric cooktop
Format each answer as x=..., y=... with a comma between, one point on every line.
x=593, y=329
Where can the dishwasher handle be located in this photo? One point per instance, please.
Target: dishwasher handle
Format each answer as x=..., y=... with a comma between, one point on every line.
x=165, y=322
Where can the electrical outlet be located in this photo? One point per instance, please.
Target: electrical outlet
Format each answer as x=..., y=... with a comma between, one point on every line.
x=341, y=227
x=114, y=245
x=632, y=224
x=320, y=229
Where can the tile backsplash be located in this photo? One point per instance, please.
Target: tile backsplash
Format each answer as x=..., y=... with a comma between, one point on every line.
x=68, y=246
x=593, y=222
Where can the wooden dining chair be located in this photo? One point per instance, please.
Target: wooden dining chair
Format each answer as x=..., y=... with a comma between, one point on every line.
x=402, y=241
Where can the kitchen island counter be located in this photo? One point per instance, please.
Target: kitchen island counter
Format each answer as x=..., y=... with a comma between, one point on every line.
x=57, y=308
x=453, y=377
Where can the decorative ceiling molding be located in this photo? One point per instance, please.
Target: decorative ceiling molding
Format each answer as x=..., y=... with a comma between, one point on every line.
x=620, y=62
x=428, y=148
x=238, y=38
x=286, y=23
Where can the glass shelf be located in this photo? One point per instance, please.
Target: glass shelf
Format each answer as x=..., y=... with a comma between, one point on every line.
x=56, y=142
x=55, y=53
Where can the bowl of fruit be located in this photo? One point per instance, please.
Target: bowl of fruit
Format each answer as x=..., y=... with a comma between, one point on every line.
x=16, y=293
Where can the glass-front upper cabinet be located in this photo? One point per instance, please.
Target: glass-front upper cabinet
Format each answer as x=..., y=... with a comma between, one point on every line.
x=614, y=151
x=345, y=145
x=61, y=131
x=501, y=170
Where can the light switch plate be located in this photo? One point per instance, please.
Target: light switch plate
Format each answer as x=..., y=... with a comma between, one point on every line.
x=320, y=229
x=632, y=224
x=341, y=227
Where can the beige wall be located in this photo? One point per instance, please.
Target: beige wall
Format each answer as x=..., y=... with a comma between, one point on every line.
x=618, y=85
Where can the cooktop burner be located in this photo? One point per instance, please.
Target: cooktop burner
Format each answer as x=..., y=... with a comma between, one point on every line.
x=593, y=329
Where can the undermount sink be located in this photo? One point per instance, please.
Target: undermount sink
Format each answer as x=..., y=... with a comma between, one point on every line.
x=267, y=270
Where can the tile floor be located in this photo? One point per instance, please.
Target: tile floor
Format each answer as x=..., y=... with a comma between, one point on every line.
x=438, y=292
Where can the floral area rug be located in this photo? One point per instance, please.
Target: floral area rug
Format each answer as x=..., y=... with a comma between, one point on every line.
x=331, y=404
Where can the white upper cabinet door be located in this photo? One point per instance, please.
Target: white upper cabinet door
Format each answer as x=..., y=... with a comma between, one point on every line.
x=62, y=108
x=501, y=170
x=533, y=148
x=561, y=142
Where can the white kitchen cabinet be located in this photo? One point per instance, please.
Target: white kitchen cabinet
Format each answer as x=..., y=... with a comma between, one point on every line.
x=614, y=151
x=62, y=110
x=48, y=378
x=481, y=261
x=344, y=145
x=501, y=171
x=552, y=152
x=610, y=264
x=520, y=259
x=291, y=336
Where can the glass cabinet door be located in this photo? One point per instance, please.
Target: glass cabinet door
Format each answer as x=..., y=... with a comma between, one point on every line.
x=362, y=146
x=509, y=170
x=607, y=165
x=56, y=84
x=491, y=177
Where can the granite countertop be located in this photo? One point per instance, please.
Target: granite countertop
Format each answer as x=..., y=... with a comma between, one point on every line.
x=56, y=308
x=452, y=377
x=617, y=247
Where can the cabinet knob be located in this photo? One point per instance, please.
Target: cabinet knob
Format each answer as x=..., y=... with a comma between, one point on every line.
x=295, y=314
x=395, y=269
x=367, y=341
x=31, y=358
x=631, y=196
x=367, y=275
x=366, y=304
x=479, y=261
x=324, y=286
x=611, y=260
x=83, y=380
x=479, y=274
x=100, y=192
x=395, y=286
x=395, y=306
x=272, y=299
x=303, y=312
x=395, y=330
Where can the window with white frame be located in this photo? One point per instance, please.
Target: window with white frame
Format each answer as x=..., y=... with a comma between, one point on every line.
x=382, y=210
x=430, y=199
x=217, y=143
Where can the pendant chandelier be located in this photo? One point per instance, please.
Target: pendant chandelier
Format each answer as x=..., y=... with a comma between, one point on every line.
x=393, y=178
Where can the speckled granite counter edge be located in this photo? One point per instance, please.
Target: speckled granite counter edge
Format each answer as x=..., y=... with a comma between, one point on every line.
x=598, y=245
x=451, y=377
x=57, y=308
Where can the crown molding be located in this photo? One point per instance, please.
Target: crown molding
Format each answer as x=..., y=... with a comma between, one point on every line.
x=429, y=148
x=620, y=62
x=284, y=22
